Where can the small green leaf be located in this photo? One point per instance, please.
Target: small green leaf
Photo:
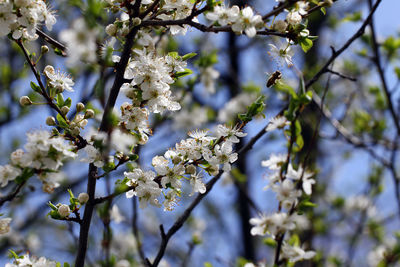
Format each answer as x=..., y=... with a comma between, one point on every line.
x=184, y=73
x=270, y=242
x=323, y=10
x=357, y=16
x=188, y=56
x=58, y=51
x=60, y=100
x=133, y=157
x=35, y=87
x=61, y=122
x=174, y=55
x=68, y=102
x=306, y=44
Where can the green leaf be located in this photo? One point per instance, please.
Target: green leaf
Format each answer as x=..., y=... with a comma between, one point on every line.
x=306, y=44
x=36, y=87
x=184, y=73
x=285, y=88
x=294, y=240
x=52, y=206
x=356, y=16
x=323, y=10
x=133, y=157
x=174, y=55
x=270, y=242
x=68, y=102
x=58, y=51
x=26, y=174
x=189, y=56
x=60, y=100
x=61, y=122
x=13, y=254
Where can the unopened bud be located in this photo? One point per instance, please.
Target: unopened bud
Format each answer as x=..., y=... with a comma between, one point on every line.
x=111, y=29
x=48, y=70
x=75, y=131
x=136, y=21
x=51, y=121
x=83, y=198
x=25, y=101
x=89, y=113
x=64, y=210
x=280, y=25
x=80, y=107
x=44, y=49
x=64, y=110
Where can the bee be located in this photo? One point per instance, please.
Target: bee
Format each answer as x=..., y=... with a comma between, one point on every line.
x=274, y=78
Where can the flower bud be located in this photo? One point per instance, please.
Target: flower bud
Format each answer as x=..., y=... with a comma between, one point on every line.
x=48, y=70
x=293, y=18
x=64, y=210
x=50, y=121
x=80, y=107
x=64, y=110
x=44, y=49
x=280, y=25
x=75, y=131
x=89, y=114
x=304, y=33
x=136, y=21
x=111, y=29
x=25, y=101
x=83, y=198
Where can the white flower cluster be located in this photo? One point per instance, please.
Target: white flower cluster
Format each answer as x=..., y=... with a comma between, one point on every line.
x=26, y=261
x=80, y=40
x=119, y=141
x=44, y=153
x=240, y=20
x=288, y=194
x=198, y=151
x=58, y=80
x=174, y=10
x=294, y=16
x=22, y=17
x=151, y=74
